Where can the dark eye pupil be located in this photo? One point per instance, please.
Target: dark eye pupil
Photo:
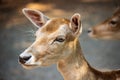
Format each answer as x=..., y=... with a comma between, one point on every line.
x=59, y=39
x=113, y=22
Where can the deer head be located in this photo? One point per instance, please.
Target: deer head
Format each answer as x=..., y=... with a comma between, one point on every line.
x=54, y=39
x=108, y=29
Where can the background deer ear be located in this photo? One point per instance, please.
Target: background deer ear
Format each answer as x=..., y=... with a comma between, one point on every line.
x=35, y=16
x=75, y=24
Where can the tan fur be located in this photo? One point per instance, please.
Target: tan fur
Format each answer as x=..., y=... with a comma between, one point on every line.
x=108, y=29
x=54, y=22
x=67, y=54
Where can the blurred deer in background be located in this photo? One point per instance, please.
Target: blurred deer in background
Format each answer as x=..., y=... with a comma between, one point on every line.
x=57, y=42
x=108, y=29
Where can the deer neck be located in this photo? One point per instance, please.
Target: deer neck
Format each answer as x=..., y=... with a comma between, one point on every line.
x=75, y=66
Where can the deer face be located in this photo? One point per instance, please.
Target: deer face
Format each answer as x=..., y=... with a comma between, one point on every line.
x=54, y=39
x=109, y=29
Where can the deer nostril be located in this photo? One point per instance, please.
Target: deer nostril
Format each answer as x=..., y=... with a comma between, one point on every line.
x=89, y=30
x=24, y=59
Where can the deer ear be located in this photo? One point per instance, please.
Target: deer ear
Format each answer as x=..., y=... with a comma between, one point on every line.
x=75, y=24
x=35, y=16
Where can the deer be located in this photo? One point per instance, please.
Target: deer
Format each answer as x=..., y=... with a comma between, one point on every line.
x=108, y=29
x=57, y=42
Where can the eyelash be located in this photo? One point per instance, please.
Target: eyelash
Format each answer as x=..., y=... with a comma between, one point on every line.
x=59, y=40
x=113, y=22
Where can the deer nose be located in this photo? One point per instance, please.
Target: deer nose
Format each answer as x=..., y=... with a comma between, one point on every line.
x=89, y=30
x=24, y=59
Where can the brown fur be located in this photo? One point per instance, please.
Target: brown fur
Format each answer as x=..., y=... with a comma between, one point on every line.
x=66, y=52
x=54, y=25
x=75, y=67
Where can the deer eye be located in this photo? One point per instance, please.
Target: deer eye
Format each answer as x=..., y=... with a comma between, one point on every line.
x=60, y=39
x=113, y=22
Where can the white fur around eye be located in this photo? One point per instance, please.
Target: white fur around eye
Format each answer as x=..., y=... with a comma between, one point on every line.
x=63, y=30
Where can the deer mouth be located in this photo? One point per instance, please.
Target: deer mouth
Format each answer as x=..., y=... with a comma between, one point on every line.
x=26, y=66
x=29, y=64
x=91, y=35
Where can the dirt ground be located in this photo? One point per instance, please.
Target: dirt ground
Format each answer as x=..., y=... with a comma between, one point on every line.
x=17, y=33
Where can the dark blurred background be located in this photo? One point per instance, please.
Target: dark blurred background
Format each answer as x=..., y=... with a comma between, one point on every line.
x=17, y=33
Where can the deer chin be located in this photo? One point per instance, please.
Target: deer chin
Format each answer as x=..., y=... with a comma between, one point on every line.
x=29, y=66
x=92, y=35
x=102, y=37
x=32, y=65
